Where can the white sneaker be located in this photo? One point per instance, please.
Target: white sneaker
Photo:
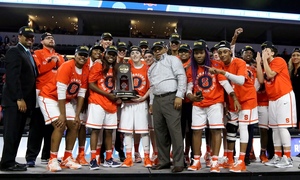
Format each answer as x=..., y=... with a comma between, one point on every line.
x=285, y=162
x=53, y=165
x=275, y=160
x=70, y=163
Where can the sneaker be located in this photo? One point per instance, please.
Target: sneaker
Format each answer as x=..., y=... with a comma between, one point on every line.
x=111, y=163
x=252, y=157
x=263, y=158
x=285, y=162
x=273, y=161
x=30, y=163
x=207, y=159
x=137, y=157
x=53, y=165
x=239, y=166
x=214, y=167
x=70, y=163
x=44, y=161
x=81, y=159
x=195, y=166
x=94, y=165
x=128, y=162
x=224, y=162
x=154, y=160
x=147, y=162
x=186, y=160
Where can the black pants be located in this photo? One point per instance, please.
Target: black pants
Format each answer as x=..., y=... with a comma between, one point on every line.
x=186, y=122
x=13, y=126
x=250, y=139
x=37, y=132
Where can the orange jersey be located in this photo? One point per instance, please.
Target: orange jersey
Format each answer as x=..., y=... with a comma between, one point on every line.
x=66, y=74
x=212, y=90
x=246, y=93
x=281, y=83
x=140, y=79
x=47, y=68
x=104, y=83
x=262, y=97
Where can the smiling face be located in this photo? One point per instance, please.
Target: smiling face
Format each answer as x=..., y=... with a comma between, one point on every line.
x=111, y=57
x=136, y=56
x=184, y=55
x=80, y=59
x=296, y=57
x=199, y=55
x=225, y=55
x=247, y=56
x=149, y=58
x=96, y=54
x=105, y=42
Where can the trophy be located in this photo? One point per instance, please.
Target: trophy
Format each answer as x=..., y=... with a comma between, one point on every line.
x=124, y=88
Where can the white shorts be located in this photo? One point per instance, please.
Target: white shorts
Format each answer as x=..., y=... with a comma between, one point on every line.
x=213, y=115
x=282, y=112
x=263, y=117
x=134, y=117
x=50, y=110
x=98, y=118
x=82, y=116
x=246, y=116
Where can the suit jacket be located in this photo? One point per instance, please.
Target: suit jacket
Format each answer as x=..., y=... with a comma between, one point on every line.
x=20, y=78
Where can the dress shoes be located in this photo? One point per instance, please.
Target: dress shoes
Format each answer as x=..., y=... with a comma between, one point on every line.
x=161, y=166
x=16, y=167
x=177, y=169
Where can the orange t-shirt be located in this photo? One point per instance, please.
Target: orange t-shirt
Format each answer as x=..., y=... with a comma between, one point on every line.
x=104, y=83
x=262, y=97
x=212, y=90
x=140, y=79
x=67, y=75
x=47, y=68
x=246, y=93
x=281, y=83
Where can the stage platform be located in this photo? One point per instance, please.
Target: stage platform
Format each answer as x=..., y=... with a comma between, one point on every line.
x=254, y=171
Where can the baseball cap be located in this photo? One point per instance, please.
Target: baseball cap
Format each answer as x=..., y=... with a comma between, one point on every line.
x=82, y=50
x=149, y=52
x=246, y=48
x=26, y=31
x=223, y=44
x=135, y=48
x=106, y=35
x=143, y=43
x=184, y=47
x=111, y=49
x=97, y=47
x=296, y=50
x=175, y=37
x=158, y=44
x=268, y=44
x=45, y=35
x=215, y=47
x=121, y=45
x=200, y=44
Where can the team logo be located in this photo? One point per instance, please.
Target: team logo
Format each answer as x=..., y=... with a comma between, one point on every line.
x=73, y=88
x=137, y=82
x=109, y=82
x=205, y=82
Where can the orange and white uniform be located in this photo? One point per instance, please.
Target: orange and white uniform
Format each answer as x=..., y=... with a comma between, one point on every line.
x=75, y=81
x=47, y=67
x=211, y=107
x=102, y=112
x=134, y=115
x=282, y=103
x=245, y=93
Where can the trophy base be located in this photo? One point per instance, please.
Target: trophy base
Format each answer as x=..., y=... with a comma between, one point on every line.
x=125, y=95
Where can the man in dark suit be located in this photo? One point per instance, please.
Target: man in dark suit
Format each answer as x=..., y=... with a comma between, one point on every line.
x=18, y=97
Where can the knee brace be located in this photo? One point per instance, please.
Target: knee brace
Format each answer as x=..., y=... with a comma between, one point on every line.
x=231, y=132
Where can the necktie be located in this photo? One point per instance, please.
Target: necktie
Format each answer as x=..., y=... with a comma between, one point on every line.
x=32, y=61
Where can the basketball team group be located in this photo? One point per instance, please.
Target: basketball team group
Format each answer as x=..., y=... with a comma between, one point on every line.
x=182, y=92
